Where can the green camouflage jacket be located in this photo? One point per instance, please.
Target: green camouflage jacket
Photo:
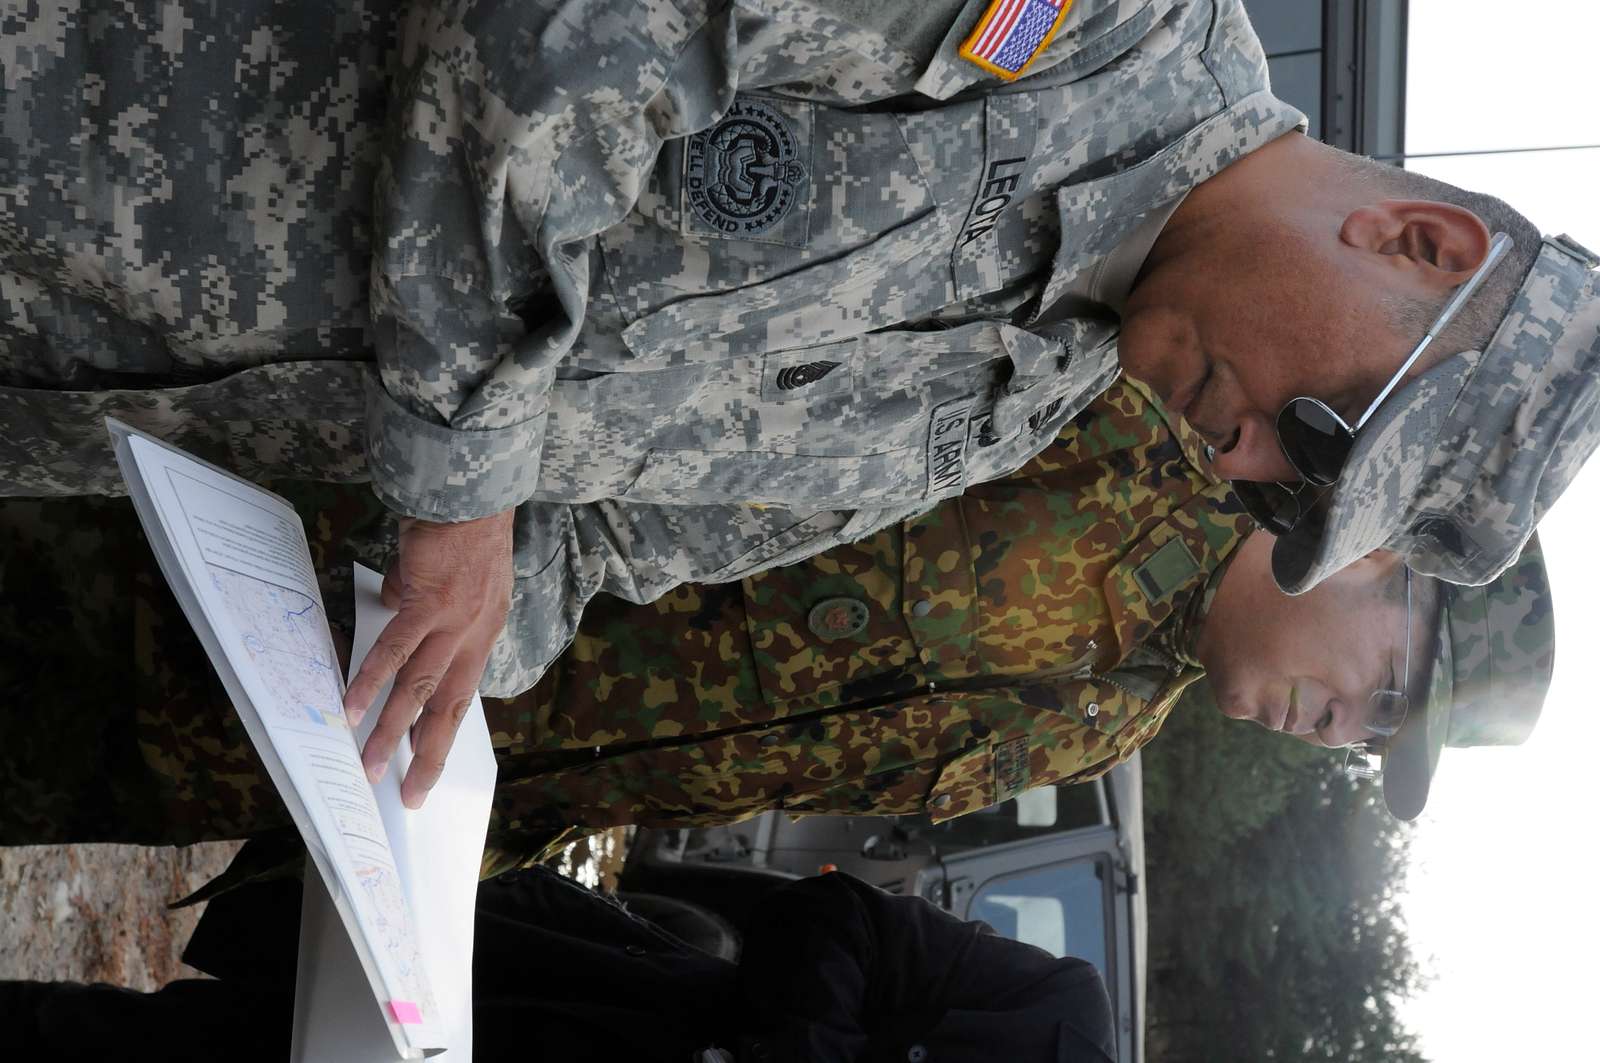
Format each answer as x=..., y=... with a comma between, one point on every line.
x=1001, y=641
x=629, y=265
x=998, y=642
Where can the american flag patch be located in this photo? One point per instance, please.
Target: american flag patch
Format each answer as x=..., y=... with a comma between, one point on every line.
x=1012, y=33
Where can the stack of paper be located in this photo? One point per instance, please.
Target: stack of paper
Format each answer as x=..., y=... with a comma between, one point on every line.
x=386, y=936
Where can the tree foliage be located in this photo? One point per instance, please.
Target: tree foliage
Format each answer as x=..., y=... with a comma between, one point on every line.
x=1275, y=932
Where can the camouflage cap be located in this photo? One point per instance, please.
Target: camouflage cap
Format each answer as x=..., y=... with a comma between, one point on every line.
x=1454, y=471
x=1491, y=668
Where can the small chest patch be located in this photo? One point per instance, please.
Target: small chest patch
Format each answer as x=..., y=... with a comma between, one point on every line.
x=947, y=448
x=744, y=176
x=798, y=376
x=1012, y=33
x=1166, y=570
x=994, y=196
x=837, y=618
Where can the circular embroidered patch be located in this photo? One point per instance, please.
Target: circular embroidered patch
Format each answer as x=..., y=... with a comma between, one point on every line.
x=837, y=618
x=744, y=174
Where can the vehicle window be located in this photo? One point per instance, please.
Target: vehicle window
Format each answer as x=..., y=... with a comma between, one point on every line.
x=1043, y=810
x=1060, y=908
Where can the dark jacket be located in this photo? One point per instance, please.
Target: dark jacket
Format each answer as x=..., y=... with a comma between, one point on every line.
x=833, y=970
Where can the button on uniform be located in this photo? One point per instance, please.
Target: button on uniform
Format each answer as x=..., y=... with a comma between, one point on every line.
x=1091, y=710
x=917, y=1054
x=922, y=608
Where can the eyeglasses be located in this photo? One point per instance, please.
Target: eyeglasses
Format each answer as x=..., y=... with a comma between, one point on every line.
x=1386, y=712
x=1317, y=441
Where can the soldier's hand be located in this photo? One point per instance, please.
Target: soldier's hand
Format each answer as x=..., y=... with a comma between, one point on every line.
x=451, y=585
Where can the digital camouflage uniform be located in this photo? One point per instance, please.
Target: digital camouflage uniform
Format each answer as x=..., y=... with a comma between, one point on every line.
x=1001, y=641
x=768, y=251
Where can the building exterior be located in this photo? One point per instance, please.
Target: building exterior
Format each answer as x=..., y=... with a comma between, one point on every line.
x=1342, y=62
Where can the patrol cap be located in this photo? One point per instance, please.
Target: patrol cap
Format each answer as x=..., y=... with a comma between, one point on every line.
x=1455, y=469
x=1491, y=669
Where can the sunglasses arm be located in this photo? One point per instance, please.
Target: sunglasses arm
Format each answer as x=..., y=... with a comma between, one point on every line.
x=1497, y=250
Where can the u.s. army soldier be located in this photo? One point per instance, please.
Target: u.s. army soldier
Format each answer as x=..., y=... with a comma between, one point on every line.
x=632, y=267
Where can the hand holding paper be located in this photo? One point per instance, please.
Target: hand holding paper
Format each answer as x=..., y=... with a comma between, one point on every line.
x=237, y=560
x=451, y=585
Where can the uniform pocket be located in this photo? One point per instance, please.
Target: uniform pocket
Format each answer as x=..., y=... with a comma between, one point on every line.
x=830, y=630
x=966, y=783
x=779, y=192
x=1100, y=705
x=877, y=285
x=795, y=481
x=774, y=537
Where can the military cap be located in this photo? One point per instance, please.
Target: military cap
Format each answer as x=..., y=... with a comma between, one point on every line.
x=1491, y=667
x=1454, y=471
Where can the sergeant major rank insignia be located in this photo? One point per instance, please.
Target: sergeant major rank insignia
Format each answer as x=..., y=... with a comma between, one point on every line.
x=745, y=175
x=1012, y=33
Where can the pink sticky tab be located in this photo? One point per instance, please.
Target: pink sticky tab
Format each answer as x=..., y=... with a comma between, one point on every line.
x=405, y=1013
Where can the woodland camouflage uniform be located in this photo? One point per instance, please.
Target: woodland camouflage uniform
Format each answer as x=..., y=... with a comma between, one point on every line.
x=1001, y=641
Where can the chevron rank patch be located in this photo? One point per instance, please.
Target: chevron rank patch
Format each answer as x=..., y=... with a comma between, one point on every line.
x=1012, y=33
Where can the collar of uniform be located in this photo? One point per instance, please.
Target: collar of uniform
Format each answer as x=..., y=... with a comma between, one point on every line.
x=1190, y=441
x=1099, y=215
x=1111, y=281
x=1158, y=576
x=1177, y=637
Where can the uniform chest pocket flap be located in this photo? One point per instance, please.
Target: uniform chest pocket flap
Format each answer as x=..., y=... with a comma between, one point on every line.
x=966, y=783
x=785, y=225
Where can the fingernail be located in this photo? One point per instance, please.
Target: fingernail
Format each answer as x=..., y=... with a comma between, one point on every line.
x=354, y=716
x=375, y=773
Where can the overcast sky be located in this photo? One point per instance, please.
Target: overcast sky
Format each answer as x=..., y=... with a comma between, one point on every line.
x=1503, y=893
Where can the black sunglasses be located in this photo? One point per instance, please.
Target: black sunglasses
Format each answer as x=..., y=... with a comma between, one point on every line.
x=1317, y=442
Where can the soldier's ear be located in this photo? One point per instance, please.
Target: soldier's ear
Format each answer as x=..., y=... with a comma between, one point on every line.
x=1440, y=242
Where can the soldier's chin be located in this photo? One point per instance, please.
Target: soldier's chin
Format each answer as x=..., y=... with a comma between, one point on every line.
x=1234, y=704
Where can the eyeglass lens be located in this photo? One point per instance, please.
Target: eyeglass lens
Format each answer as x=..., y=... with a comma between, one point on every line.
x=1386, y=712
x=1316, y=440
x=1274, y=507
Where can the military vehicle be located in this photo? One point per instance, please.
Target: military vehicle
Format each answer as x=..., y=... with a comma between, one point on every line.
x=1058, y=867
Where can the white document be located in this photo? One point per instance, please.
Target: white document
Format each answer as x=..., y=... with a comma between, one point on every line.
x=236, y=558
x=437, y=852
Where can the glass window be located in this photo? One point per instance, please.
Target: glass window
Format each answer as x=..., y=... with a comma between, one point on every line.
x=1060, y=908
x=1286, y=26
x=1042, y=810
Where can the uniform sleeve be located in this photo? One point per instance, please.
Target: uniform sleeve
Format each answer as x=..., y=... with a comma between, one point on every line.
x=520, y=130
x=837, y=970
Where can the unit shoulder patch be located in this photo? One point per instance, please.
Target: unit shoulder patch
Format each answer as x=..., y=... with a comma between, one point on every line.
x=1012, y=33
